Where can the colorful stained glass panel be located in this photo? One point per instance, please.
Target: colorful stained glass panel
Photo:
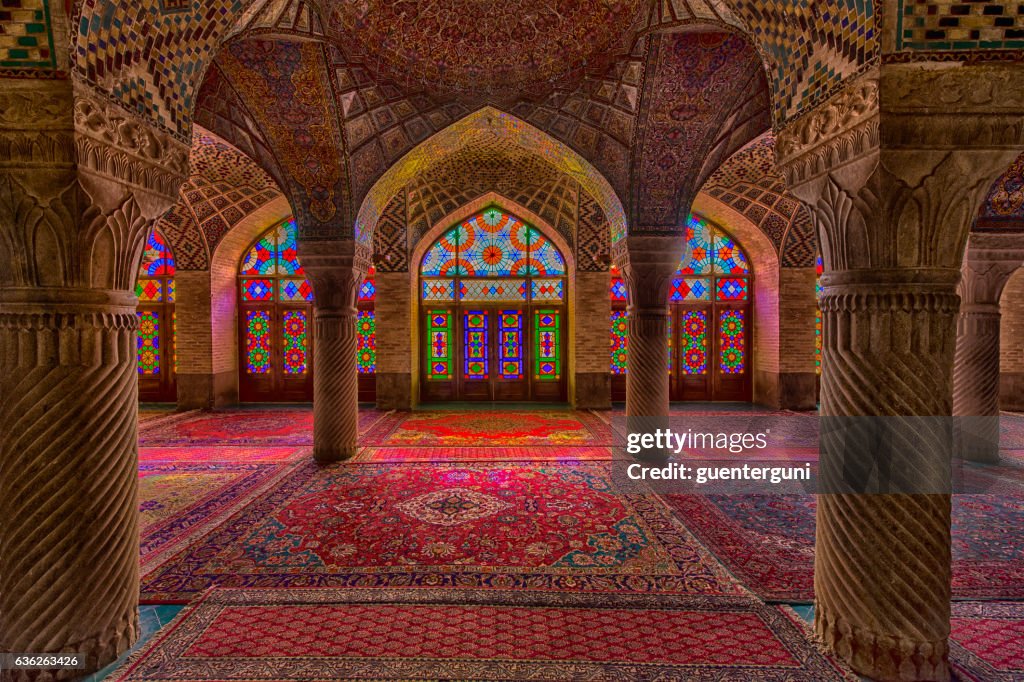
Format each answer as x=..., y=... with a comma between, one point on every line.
x=262, y=257
x=438, y=289
x=545, y=259
x=474, y=344
x=489, y=250
x=149, y=290
x=690, y=289
x=296, y=290
x=440, y=259
x=156, y=257
x=548, y=289
x=728, y=257
x=169, y=290
x=287, y=258
x=439, y=348
x=366, y=342
x=732, y=341
x=694, y=340
x=257, y=341
x=294, y=327
x=257, y=289
x=148, y=342
x=618, y=289
x=367, y=290
x=619, y=341
x=547, y=351
x=510, y=349
x=492, y=290
x=697, y=256
x=732, y=289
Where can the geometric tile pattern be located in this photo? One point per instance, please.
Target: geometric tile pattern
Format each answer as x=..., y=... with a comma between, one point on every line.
x=749, y=183
x=940, y=25
x=813, y=47
x=501, y=167
x=223, y=187
x=26, y=38
x=1004, y=206
x=593, y=237
x=390, y=239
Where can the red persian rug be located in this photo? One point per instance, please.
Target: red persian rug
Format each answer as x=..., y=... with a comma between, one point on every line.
x=490, y=428
x=767, y=542
x=223, y=453
x=249, y=426
x=535, y=526
x=556, y=453
x=180, y=502
x=987, y=641
x=330, y=634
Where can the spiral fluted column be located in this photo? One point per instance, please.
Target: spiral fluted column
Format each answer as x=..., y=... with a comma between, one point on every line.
x=647, y=381
x=335, y=384
x=976, y=382
x=882, y=561
x=69, y=542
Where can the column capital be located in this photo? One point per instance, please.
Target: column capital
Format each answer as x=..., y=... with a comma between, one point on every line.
x=989, y=262
x=647, y=264
x=336, y=269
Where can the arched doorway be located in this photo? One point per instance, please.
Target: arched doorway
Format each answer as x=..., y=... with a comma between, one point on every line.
x=156, y=338
x=710, y=330
x=275, y=319
x=492, y=301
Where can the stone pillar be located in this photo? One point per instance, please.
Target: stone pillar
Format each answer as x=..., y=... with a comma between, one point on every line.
x=394, y=309
x=592, y=358
x=988, y=264
x=78, y=196
x=892, y=188
x=1011, y=344
x=335, y=269
x=647, y=265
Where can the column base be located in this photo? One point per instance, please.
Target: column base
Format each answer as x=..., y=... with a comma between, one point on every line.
x=326, y=455
x=882, y=657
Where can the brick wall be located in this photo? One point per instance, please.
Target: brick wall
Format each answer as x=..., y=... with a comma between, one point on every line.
x=393, y=307
x=1011, y=337
x=766, y=319
x=593, y=311
x=797, y=308
x=192, y=307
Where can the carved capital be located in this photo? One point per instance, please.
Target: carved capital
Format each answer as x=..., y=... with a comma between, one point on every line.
x=647, y=265
x=336, y=269
x=114, y=147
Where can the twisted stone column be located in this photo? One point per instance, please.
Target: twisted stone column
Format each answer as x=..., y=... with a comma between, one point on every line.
x=336, y=269
x=647, y=389
x=882, y=561
x=335, y=384
x=69, y=542
x=893, y=183
x=976, y=382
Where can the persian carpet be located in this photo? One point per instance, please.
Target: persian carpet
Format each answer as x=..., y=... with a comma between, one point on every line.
x=987, y=641
x=767, y=542
x=529, y=526
x=180, y=502
x=489, y=428
x=555, y=453
x=223, y=453
x=322, y=634
x=251, y=426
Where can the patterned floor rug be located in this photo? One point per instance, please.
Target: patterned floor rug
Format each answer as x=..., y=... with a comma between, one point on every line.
x=329, y=634
x=181, y=502
x=244, y=426
x=557, y=453
x=767, y=542
x=529, y=526
x=252, y=454
x=987, y=641
x=489, y=428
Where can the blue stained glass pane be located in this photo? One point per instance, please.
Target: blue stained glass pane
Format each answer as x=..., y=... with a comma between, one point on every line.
x=618, y=289
x=491, y=247
x=440, y=259
x=544, y=257
x=367, y=292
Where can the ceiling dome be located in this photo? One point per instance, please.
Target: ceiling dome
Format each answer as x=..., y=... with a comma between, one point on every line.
x=483, y=46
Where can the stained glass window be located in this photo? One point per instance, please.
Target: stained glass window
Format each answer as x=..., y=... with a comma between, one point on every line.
x=366, y=342
x=547, y=349
x=694, y=340
x=439, y=340
x=618, y=289
x=368, y=289
x=257, y=348
x=294, y=327
x=619, y=343
x=149, y=342
x=510, y=328
x=474, y=344
x=712, y=262
x=155, y=290
x=732, y=341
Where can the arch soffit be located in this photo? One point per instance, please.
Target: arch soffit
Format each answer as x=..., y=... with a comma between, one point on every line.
x=230, y=249
x=488, y=127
